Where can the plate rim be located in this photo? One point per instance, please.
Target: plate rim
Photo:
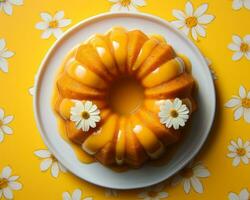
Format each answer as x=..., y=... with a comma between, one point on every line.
x=83, y=22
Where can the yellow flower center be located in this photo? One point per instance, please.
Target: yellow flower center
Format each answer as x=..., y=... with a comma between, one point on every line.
x=1, y=123
x=246, y=103
x=3, y=183
x=85, y=115
x=187, y=172
x=53, y=24
x=244, y=47
x=241, y=151
x=152, y=194
x=191, y=22
x=174, y=113
x=125, y=3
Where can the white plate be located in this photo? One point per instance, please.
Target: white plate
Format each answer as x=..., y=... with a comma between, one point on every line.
x=96, y=173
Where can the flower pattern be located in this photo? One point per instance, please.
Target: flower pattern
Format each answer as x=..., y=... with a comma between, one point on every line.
x=8, y=183
x=173, y=114
x=241, y=47
x=238, y=4
x=190, y=177
x=52, y=24
x=126, y=5
x=4, y=55
x=4, y=128
x=194, y=21
x=6, y=5
x=240, y=104
x=239, y=151
x=153, y=193
x=76, y=195
x=48, y=160
x=243, y=195
x=85, y=115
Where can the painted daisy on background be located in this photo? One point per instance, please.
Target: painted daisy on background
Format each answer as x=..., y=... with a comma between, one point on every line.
x=85, y=115
x=243, y=195
x=8, y=183
x=238, y=4
x=111, y=192
x=126, y=5
x=153, y=193
x=4, y=55
x=190, y=175
x=173, y=113
x=6, y=5
x=239, y=151
x=241, y=47
x=209, y=63
x=4, y=128
x=76, y=195
x=52, y=24
x=240, y=104
x=194, y=21
x=48, y=160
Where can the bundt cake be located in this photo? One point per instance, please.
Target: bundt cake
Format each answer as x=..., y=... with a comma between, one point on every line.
x=124, y=96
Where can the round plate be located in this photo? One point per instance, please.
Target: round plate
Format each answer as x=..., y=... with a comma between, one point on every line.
x=96, y=173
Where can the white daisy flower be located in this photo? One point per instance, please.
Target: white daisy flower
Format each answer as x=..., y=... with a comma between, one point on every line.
x=190, y=175
x=209, y=63
x=173, y=113
x=126, y=5
x=240, y=104
x=85, y=115
x=193, y=20
x=4, y=128
x=153, y=193
x=4, y=55
x=52, y=24
x=76, y=195
x=8, y=183
x=241, y=47
x=111, y=192
x=244, y=195
x=49, y=161
x=238, y=4
x=239, y=151
x=6, y=5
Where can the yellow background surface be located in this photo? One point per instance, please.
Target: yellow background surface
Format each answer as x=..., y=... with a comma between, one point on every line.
x=24, y=39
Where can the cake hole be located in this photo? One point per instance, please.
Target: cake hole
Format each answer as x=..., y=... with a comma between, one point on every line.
x=125, y=95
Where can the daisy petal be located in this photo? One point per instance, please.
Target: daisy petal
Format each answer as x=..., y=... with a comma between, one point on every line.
x=200, y=30
x=234, y=47
x=247, y=4
x=2, y=44
x=55, y=169
x=42, y=25
x=185, y=30
x=238, y=113
x=201, y=10
x=233, y=102
x=244, y=194
x=178, y=23
x=57, y=32
x=247, y=115
x=63, y=22
x=77, y=194
x=59, y=15
x=7, y=7
x=7, y=54
x=7, y=130
x=201, y=172
x=236, y=161
x=46, y=34
x=242, y=92
x=232, y=155
x=42, y=153
x=205, y=19
x=179, y=15
x=189, y=8
x=194, y=34
x=6, y=172
x=237, y=4
x=237, y=56
x=3, y=65
x=245, y=160
x=247, y=38
x=46, y=16
x=247, y=54
x=66, y=196
x=162, y=195
x=45, y=164
x=139, y=2
x=7, y=193
x=186, y=186
x=237, y=39
x=15, y=185
x=17, y=2
x=197, y=185
x=1, y=135
x=8, y=119
x=233, y=196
